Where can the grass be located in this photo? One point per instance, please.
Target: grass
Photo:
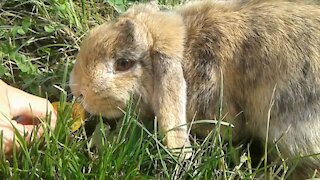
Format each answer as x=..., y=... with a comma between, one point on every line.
x=38, y=43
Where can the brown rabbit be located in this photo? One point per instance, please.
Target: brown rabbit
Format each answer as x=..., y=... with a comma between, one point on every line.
x=266, y=53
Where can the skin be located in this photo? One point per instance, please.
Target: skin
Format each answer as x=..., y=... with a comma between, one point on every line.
x=266, y=54
x=25, y=108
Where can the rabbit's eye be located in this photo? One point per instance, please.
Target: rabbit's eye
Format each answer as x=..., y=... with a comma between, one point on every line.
x=123, y=64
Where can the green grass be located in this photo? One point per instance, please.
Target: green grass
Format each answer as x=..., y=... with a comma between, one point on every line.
x=38, y=43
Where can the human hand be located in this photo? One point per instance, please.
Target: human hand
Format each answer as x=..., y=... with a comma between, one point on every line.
x=26, y=109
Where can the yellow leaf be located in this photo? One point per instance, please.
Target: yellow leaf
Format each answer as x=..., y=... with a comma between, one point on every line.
x=78, y=113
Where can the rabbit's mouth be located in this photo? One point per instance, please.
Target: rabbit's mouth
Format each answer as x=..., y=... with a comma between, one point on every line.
x=93, y=120
x=104, y=108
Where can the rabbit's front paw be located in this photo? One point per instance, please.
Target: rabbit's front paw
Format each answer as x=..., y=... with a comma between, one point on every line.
x=178, y=143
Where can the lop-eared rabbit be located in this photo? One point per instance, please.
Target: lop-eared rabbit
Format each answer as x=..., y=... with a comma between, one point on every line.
x=266, y=55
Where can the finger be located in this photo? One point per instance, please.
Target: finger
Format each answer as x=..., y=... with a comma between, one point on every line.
x=10, y=130
x=4, y=104
x=22, y=103
x=27, y=120
x=22, y=129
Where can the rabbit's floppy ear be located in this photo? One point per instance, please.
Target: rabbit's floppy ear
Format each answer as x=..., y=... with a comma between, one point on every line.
x=163, y=34
x=169, y=99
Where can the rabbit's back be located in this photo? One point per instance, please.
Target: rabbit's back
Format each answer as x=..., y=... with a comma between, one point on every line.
x=268, y=56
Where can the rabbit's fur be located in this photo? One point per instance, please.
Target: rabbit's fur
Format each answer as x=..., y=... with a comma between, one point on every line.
x=266, y=53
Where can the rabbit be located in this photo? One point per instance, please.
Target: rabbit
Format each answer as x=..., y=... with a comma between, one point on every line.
x=263, y=57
